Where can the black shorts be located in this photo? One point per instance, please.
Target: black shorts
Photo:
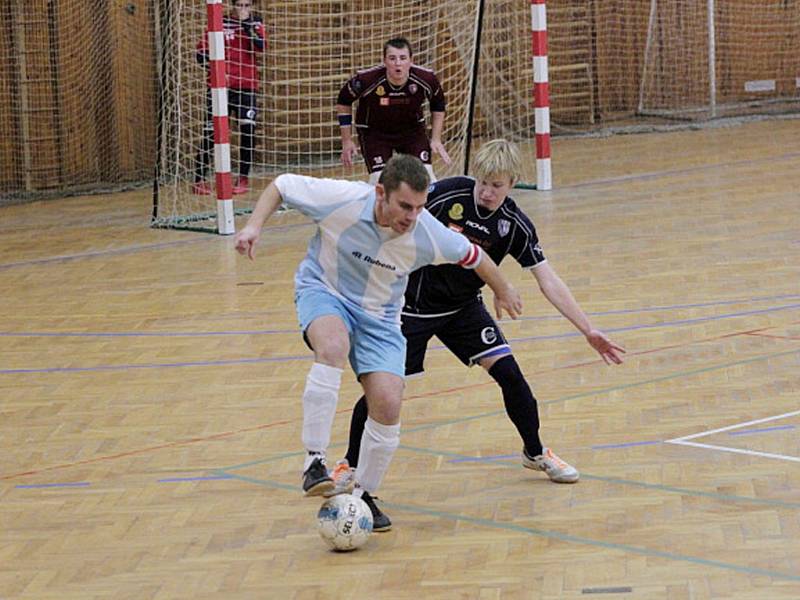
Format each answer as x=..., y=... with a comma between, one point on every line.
x=470, y=334
x=241, y=104
x=377, y=148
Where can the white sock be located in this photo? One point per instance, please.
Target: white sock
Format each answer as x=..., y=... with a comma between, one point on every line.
x=378, y=443
x=319, y=408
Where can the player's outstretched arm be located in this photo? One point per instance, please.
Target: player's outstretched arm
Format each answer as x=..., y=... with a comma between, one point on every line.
x=560, y=296
x=506, y=297
x=247, y=238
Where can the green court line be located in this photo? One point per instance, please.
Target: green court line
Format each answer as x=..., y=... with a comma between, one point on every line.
x=564, y=537
x=723, y=497
x=619, y=481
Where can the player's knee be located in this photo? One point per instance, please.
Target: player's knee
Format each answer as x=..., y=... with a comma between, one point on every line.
x=330, y=354
x=506, y=372
x=384, y=406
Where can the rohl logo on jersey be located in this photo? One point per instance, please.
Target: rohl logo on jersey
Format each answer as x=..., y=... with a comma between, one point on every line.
x=503, y=227
x=456, y=212
x=478, y=226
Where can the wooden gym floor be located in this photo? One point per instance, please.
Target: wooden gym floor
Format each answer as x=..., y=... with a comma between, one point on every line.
x=151, y=380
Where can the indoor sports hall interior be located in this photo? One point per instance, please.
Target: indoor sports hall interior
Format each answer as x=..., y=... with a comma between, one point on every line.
x=151, y=377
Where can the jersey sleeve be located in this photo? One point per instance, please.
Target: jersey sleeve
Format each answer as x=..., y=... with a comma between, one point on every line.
x=525, y=246
x=350, y=91
x=448, y=246
x=317, y=198
x=437, y=101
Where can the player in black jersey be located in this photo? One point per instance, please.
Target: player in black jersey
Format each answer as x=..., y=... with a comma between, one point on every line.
x=445, y=301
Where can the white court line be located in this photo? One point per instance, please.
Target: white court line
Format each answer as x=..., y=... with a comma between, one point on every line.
x=682, y=440
x=736, y=450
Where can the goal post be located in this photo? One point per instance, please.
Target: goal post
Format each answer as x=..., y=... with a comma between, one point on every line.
x=313, y=47
x=705, y=59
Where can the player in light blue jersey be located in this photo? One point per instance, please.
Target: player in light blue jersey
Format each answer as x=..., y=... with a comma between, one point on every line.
x=348, y=292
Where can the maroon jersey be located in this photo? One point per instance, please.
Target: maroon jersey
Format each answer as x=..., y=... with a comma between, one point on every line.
x=385, y=108
x=242, y=40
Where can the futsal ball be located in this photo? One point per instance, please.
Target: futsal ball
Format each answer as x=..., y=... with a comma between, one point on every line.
x=345, y=522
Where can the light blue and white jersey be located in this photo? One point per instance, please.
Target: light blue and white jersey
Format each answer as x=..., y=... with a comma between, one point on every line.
x=356, y=259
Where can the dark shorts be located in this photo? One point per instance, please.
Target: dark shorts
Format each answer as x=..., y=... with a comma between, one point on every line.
x=241, y=104
x=471, y=334
x=377, y=148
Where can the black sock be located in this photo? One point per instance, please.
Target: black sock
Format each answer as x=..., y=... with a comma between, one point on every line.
x=358, y=421
x=520, y=403
x=246, y=143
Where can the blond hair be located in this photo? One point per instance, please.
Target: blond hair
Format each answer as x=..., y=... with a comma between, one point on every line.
x=498, y=157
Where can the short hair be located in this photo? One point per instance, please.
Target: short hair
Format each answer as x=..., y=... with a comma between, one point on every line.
x=498, y=157
x=399, y=43
x=404, y=168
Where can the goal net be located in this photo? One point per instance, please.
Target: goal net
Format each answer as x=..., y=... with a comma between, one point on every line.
x=313, y=47
x=77, y=96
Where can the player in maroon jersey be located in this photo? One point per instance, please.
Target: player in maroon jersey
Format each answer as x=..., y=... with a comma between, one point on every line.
x=244, y=35
x=390, y=114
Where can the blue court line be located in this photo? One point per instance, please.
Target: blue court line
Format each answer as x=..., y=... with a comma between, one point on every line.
x=681, y=322
x=629, y=311
x=205, y=478
x=95, y=254
x=89, y=334
x=131, y=249
x=626, y=445
x=199, y=363
x=643, y=551
x=145, y=334
x=216, y=363
x=762, y=430
x=482, y=458
x=52, y=485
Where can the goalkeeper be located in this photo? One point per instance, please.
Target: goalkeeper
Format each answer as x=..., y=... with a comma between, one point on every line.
x=390, y=114
x=245, y=36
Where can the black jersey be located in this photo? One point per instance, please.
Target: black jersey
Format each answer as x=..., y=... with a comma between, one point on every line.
x=441, y=289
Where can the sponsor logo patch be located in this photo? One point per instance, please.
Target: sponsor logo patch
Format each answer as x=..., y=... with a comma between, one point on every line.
x=456, y=212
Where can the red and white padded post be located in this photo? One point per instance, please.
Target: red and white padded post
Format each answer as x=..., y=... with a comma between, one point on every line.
x=219, y=106
x=541, y=94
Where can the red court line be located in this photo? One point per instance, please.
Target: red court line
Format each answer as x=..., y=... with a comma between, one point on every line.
x=775, y=337
x=441, y=392
x=208, y=438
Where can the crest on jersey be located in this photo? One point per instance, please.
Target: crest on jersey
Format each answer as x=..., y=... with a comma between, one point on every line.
x=380, y=91
x=456, y=212
x=412, y=89
x=424, y=156
x=503, y=227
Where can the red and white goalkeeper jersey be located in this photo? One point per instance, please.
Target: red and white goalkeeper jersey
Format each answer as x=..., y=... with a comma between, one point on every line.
x=384, y=108
x=241, y=70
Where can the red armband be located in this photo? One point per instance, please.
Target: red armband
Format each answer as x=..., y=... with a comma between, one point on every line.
x=473, y=257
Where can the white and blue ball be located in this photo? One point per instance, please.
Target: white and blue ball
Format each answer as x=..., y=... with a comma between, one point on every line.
x=345, y=522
